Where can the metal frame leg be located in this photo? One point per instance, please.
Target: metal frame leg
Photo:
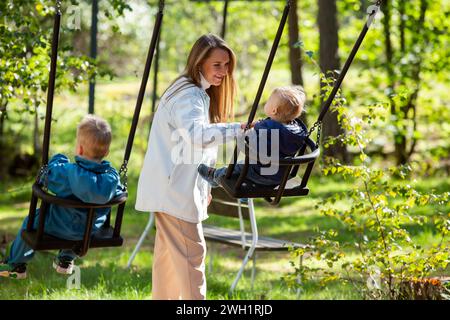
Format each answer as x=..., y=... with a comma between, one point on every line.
x=253, y=245
x=142, y=238
x=253, y=269
x=241, y=270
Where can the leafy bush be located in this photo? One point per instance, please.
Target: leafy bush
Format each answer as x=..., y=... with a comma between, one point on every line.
x=383, y=254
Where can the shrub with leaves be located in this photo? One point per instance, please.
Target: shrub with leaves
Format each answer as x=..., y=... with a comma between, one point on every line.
x=381, y=212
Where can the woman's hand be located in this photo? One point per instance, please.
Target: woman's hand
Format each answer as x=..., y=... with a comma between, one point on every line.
x=244, y=125
x=209, y=198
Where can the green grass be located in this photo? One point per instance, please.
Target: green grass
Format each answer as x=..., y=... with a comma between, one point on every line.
x=104, y=274
x=103, y=271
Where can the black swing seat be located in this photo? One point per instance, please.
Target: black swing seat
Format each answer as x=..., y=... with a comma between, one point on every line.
x=107, y=236
x=102, y=239
x=250, y=189
x=293, y=187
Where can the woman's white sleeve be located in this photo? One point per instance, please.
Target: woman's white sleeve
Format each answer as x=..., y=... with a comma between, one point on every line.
x=191, y=123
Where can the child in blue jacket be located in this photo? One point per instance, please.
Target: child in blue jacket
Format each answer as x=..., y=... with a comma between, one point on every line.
x=89, y=179
x=285, y=104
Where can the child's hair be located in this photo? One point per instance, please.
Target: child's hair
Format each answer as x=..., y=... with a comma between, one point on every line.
x=290, y=102
x=94, y=134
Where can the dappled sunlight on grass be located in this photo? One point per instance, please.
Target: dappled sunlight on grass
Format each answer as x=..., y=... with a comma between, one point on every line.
x=104, y=273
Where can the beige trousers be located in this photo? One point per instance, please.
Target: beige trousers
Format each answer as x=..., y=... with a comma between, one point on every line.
x=179, y=260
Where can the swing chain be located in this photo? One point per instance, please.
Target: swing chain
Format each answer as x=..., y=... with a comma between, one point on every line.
x=377, y=4
x=123, y=173
x=43, y=172
x=318, y=125
x=58, y=6
x=319, y=131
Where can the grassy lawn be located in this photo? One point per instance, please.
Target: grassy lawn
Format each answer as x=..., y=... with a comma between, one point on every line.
x=103, y=271
x=104, y=274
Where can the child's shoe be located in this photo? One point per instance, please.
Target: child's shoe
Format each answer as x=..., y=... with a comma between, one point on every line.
x=16, y=272
x=207, y=173
x=62, y=265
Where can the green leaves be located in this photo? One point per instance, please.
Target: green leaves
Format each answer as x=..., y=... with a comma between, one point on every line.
x=380, y=217
x=382, y=222
x=26, y=32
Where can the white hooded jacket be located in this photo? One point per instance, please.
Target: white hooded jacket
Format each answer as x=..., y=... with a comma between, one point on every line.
x=180, y=139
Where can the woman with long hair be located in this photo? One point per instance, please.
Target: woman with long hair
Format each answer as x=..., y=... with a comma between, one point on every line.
x=189, y=124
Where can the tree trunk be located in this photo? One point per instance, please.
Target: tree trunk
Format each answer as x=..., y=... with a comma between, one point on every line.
x=295, y=53
x=401, y=12
x=329, y=61
x=403, y=113
x=420, y=36
x=399, y=138
x=388, y=43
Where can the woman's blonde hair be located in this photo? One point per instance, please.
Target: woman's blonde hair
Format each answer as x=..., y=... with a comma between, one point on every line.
x=221, y=97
